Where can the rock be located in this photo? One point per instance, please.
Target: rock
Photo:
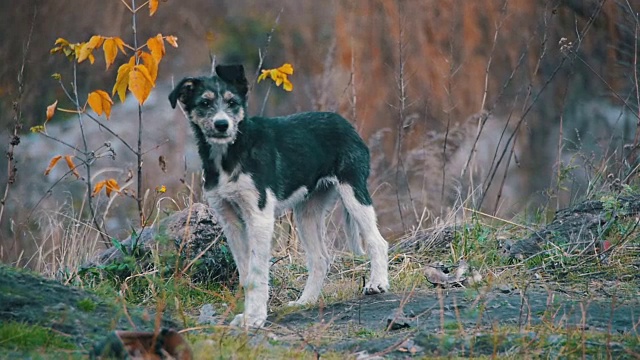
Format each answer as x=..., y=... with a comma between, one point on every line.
x=194, y=233
x=575, y=228
x=438, y=275
x=207, y=315
x=397, y=322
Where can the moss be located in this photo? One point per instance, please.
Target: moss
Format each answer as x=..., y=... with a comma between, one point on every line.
x=87, y=304
x=26, y=337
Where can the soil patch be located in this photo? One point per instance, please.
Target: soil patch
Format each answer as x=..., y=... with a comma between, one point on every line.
x=78, y=315
x=458, y=322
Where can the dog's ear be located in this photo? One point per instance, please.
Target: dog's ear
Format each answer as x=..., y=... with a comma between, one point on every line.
x=234, y=74
x=183, y=91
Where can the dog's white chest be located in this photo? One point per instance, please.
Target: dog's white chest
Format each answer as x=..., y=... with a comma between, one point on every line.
x=234, y=188
x=241, y=190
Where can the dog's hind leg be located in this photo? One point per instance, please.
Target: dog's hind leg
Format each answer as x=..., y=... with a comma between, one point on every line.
x=352, y=230
x=309, y=218
x=375, y=245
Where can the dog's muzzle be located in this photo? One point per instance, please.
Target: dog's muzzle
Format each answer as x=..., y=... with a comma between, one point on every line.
x=221, y=125
x=220, y=131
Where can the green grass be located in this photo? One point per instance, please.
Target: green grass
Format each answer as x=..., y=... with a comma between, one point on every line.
x=87, y=305
x=26, y=338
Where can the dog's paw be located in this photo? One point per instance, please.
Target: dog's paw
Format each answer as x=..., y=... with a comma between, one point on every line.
x=241, y=320
x=298, y=303
x=375, y=287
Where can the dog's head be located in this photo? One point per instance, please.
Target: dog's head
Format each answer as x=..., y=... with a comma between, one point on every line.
x=215, y=105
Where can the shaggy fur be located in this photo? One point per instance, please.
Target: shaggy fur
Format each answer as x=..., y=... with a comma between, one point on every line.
x=255, y=169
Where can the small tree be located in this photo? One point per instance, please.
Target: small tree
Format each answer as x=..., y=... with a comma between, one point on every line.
x=138, y=75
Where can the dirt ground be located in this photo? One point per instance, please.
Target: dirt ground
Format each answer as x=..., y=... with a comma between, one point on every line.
x=429, y=322
x=462, y=323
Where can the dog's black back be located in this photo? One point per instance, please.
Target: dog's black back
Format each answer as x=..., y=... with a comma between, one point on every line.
x=284, y=153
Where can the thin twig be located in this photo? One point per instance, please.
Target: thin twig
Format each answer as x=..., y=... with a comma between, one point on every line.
x=264, y=53
x=138, y=152
x=17, y=119
x=88, y=160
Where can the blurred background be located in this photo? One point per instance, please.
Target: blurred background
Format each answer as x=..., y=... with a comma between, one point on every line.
x=508, y=107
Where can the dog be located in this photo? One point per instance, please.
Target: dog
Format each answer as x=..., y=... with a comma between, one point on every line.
x=257, y=168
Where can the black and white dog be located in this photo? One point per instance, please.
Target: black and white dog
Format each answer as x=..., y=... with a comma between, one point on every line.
x=257, y=168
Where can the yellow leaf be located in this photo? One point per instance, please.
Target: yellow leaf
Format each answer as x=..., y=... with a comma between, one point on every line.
x=263, y=76
x=286, y=68
x=110, y=51
x=95, y=41
x=172, y=40
x=120, y=44
x=98, y=187
x=100, y=102
x=37, y=129
x=161, y=189
x=150, y=63
x=51, y=109
x=156, y=46
x=140, y=83
x=274, y=74
x=87, y=48
x=122, y=80
x=145, y=72
x=95, y=102
x=72, y=166
x=60, y=45
x=61, y=42
x=280, y=76
x=287, y=85
x=106, y=102
x=111, y=185
x=153, y=6
x=52, y=163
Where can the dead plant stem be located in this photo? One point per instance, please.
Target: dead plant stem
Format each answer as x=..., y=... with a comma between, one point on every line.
x=17, y=119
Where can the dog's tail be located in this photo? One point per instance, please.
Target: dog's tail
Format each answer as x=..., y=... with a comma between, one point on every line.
x=353, y=234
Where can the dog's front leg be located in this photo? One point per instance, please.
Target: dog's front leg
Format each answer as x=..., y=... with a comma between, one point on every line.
x=235, y=233
x=259, y=230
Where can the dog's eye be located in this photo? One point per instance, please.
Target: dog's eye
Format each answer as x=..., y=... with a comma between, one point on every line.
x=232, y=102
x=205, y=103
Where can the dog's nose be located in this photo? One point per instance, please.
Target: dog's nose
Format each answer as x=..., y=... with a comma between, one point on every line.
x=221, y=125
